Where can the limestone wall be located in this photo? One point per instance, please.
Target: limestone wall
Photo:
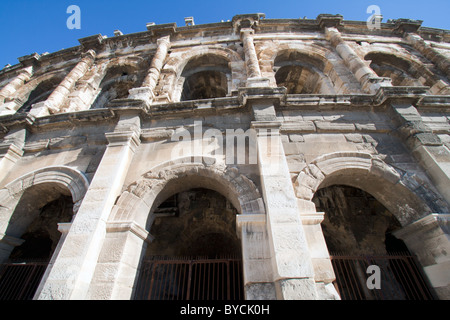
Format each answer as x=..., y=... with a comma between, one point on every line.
x=304, y=104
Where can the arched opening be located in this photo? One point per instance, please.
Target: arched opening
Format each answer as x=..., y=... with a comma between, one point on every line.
x=300, y=74
x=205, y=77
x=205, y=85
x=355, y=222
x=358, y=232
x=116, y=84
x=33, y=227
x=42, y=91
x=195, y=253
x=399, y=70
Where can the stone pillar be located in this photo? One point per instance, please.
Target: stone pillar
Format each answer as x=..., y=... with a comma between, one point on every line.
x=292, y=269
x=11, y=150
x=428, y=238
x=118, y=263
x=409, y=29
x=251, y=58
x=254, y=78
x=60, y=94
x=8, y=103
x=323, y=269
x=146, y=91
x=426, y=146
x=63, y=228
x=8, y=91
x=87, y=85
x=82, y=98
x=440, y=60
x=74, y=267
x=369, y=80
x=256, y=258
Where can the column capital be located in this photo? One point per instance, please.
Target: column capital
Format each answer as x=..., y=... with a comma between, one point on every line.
x=163, y=40
x=243, y=220
x=29, y=60
x=329, y=20
x=10, y=151
x=405, y=26
x=266, y=125
x=64, y=227
x=89, y=54
x=123, y=138
x=243, y=21
x=126, y=132
x=129, y=226
x=91, y=42
x=312, y=218
x=161, y=30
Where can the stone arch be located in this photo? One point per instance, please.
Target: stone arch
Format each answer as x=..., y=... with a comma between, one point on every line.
x=315, y=61
x=119, y=76
x=206, y=76
x=143, y=196
x=300, y=74
x=405, y=69
x=172, y=77
x=38, y=89
x=406, y=196
x=313, y=52
x=195, y=222
x=177, y=62
x=131, y=218
x=60, y=179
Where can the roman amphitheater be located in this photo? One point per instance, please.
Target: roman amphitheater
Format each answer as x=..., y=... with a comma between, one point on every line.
x=253, y=158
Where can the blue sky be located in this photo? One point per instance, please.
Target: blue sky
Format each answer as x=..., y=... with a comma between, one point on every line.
x=28, y=26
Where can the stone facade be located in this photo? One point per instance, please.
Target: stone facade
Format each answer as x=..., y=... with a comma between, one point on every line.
x=258, y=115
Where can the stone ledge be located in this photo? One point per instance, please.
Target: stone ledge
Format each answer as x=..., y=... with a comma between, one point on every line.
x=426, y=223
x=131, y=226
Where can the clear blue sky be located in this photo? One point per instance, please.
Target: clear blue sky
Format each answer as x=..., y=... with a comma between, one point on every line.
x=28, y=26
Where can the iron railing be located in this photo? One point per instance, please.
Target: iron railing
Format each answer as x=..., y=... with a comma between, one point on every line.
x=186, y=278
x=400, y=277
x=20, y=280
x=178, y=278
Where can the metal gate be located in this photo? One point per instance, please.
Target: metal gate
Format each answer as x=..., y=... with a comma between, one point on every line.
x=19, y=281
x=190, y=279
x=400, y=277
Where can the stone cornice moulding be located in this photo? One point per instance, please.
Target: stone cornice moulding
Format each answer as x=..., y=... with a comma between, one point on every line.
x=256, y=21
x=129, y=226
x=312, y=218
x=423, y=225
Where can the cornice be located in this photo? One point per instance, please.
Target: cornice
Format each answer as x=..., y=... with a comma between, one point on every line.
x=393, y=28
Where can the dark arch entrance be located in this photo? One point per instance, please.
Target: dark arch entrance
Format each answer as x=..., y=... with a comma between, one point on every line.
x=205, y=77
x=196, y=253
x=358, y=232
x=34, y=224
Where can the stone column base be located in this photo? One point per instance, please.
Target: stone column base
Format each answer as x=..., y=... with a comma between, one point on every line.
x=260, y=291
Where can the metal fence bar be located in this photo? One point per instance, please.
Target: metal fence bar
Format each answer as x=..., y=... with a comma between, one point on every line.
x=19, y=281
x=400, y=277
x=172, y=278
